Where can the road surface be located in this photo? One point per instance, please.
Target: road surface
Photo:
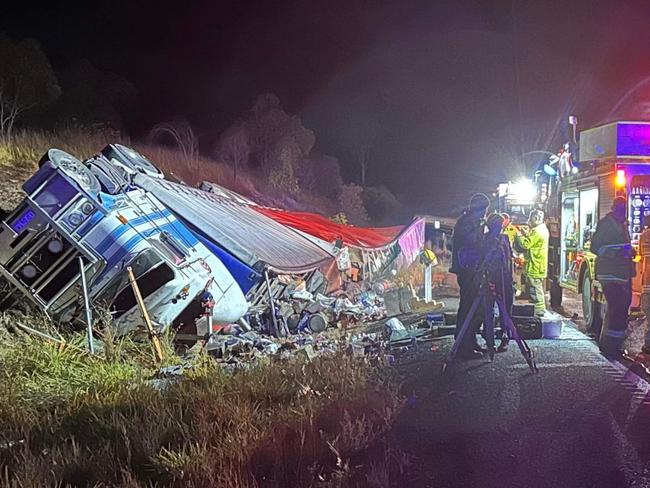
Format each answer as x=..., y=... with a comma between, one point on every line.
x=581, y=422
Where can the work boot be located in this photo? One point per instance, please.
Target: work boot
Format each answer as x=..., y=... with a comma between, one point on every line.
x=612, y=353
x=611, y=344
x=477, y=347
x=469, y=355
x=503, y=346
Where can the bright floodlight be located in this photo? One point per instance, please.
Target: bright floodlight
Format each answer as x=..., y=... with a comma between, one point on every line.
x=523, y=190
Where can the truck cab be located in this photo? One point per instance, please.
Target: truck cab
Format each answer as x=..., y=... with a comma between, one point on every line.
x=90, y=216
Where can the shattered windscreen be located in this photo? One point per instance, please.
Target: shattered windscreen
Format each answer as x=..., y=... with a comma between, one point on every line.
x=141, y=264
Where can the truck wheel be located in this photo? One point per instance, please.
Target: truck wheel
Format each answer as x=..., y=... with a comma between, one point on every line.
x=133, y=160
x=591, y=309
x=74, y=169
x=556, y=293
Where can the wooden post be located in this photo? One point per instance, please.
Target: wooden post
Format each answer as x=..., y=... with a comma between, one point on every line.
x=152, y=333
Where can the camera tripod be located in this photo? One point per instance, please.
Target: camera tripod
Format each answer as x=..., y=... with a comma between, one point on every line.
x=487, y=295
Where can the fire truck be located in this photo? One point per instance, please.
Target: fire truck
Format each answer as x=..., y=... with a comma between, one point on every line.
x=614, y=159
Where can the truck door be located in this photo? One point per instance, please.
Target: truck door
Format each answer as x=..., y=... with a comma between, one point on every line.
x=569, y=238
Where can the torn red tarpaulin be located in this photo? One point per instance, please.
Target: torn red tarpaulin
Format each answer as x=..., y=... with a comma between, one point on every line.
x=323, y=228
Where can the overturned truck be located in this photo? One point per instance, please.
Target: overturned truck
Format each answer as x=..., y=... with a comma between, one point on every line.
x=91, y=216
x=116, y=211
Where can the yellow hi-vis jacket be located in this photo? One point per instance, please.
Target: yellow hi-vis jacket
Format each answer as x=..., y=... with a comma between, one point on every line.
x=536, y=246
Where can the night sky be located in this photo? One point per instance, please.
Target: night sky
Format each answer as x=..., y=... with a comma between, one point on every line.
x=450, y=92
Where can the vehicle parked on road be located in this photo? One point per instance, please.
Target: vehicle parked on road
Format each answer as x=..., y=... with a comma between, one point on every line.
x=614, y=160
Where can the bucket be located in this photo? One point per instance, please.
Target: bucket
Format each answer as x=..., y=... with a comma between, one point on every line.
x=552, y=329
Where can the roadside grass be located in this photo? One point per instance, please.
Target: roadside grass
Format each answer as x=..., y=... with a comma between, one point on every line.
x=71, y=419
x=20, y=157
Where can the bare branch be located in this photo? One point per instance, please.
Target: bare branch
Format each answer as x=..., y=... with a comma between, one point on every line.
x=182, y=135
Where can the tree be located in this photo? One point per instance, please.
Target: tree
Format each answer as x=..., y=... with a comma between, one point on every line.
x=269, y=126
x=234, y=148
x=320, y=174
x=351, y=204
x=94, y=97
x=27, y=81
x=361, y=123
x=180, y=133
x=381, y=204
x=282, y=174
x=363, y=148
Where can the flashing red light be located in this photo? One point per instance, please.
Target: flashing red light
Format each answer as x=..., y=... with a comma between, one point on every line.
x=619, y=181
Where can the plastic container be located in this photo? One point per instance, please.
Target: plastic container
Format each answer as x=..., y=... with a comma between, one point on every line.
x=435, y=319
x=552, y=329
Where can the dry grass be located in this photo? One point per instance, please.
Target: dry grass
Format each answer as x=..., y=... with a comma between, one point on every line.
x=19, y=160
x=77, y=420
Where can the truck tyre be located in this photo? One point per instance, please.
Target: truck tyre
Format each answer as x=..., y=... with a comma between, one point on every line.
x=555, y=290
x=132, y=160
x=74, y=169
x=591, y=309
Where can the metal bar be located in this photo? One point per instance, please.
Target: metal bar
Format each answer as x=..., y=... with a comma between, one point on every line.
x=190, y=337
x=427, y=284
x=38, y=333
x=89, y=319
x=61, y=266
x=20, y=287
x=42, y=240
x=62, y=292
x=244, y=325
x=55, y=267
x=152, y=334
x=268, y=287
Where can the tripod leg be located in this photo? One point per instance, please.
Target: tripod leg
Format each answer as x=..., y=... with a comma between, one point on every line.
x=488, y=322
x=462, y=332
x=525, y=350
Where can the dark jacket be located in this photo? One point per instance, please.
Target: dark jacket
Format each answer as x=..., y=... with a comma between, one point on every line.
x=497, y=254
x=611, y=244
x=465, y=254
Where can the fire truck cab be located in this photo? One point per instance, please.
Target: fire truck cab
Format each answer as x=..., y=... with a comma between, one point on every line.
x=614, y=159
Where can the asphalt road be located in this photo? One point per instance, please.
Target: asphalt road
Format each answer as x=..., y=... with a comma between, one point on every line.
x=582, y=421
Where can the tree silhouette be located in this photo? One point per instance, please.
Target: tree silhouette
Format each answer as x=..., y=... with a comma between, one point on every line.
x=27, y=81
x=271, y=130
x=92, y=96
x=234, y=148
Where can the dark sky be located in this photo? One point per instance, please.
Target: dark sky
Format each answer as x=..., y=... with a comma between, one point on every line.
x=449, y=93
